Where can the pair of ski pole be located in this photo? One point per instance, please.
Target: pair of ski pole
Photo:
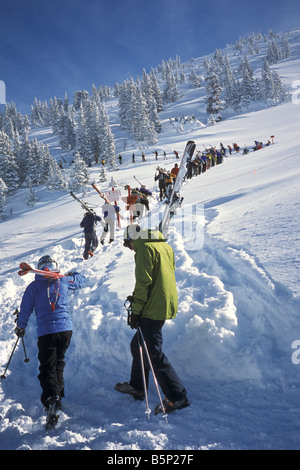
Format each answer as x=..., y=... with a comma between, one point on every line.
x=141, y=340
x=3, y=376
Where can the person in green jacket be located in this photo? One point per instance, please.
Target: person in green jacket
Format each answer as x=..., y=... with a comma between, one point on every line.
x=154, y=300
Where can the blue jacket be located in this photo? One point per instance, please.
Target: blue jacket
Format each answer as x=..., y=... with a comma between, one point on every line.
x=89, y=221
x=49, y=299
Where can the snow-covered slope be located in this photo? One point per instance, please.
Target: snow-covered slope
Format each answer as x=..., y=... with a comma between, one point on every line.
x=238, y=287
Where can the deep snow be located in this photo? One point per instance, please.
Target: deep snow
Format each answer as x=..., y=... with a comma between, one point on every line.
x=238, y=285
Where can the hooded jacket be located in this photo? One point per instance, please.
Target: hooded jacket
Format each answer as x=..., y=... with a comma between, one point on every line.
x=155, y=292
x=89, y=222
x=49, y=299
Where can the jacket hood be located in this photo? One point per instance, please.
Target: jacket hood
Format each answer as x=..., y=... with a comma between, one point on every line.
x=147, y=235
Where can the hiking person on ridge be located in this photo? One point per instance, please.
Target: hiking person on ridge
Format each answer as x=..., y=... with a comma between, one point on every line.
x=88, y=224
x=154, y=301
x=49, y=298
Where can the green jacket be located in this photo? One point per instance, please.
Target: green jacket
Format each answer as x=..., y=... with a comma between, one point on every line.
x=155, y=292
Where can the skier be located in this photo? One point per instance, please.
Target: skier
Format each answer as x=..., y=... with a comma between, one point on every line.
x=49, y=298
x=169, y=184
x=174, y=172
x=142, y=202
x=161, y=177
x=88, y=224
x=154, y=301
x=109, y=212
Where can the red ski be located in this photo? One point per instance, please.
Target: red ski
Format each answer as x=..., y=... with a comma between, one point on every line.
x=26, y=268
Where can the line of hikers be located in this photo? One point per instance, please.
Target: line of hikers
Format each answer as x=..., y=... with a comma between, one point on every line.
x=213, y=156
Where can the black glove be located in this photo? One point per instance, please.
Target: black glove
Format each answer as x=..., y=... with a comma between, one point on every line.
x=130, y=299
x=20, y=332
x=134, y=321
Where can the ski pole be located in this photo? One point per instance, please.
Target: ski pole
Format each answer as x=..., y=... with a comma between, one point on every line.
x=3, y=376
x=154, y=376
x=26, y=358
x=148, y=411
x=16, y=313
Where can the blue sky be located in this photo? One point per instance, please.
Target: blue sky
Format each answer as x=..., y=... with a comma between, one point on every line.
x=49, y=47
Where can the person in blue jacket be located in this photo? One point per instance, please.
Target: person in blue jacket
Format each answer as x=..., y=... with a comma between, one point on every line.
x=49, y=298
x=88, y=224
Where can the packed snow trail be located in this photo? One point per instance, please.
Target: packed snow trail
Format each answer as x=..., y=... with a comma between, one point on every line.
x=223, y=349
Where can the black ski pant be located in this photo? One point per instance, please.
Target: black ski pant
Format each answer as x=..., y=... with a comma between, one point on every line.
x=52, y=349
x=91, y=243
x=166, y=376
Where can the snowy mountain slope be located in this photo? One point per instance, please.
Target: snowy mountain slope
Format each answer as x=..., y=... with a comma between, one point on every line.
x=238, y=287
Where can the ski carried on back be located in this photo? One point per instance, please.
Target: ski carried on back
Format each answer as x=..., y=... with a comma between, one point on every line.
x=106, y=199
x=83, y=204
x=26, y=268
x=174, y=198
x=101, y=194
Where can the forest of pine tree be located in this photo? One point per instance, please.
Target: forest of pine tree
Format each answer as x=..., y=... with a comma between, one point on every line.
x=83, y=127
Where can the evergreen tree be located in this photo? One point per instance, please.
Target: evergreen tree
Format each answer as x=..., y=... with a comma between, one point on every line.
x=156, y=92
x=153, y=116
x=79, y=176
x=3, y=194
x=273, y=52
x=67, y=135
x=55, y=180
x=8, y=166
x=247, y=85
x=82, y=142
x=31, y=197
x=273, y=90
x=170, y=94
x=213, y=91
x=107, y=144
x=143, y=129
x=194, y=79
x=22, y=156
x=285, y=48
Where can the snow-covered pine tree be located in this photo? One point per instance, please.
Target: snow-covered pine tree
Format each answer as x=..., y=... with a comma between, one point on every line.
x=106, y=141
x=267, y=83
x=82, y=141
x=102, y=176
x=56, y=180
x=157, y=94
x=80, y=98
x=35, y=166
x=79, y=176
x=14, y=120
x=153, y=116
x=285, y=48
x=213, y=98
x=170, y=93
x=22, y=156
x=247, y=84
x=8, y=167
x=143, y=129
x=273, y=90
x=194, y=79
x=36, y=116
x=3, y=194
x=273, y=54
x=31, y=197
x=66, y=130
x=127, y=103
